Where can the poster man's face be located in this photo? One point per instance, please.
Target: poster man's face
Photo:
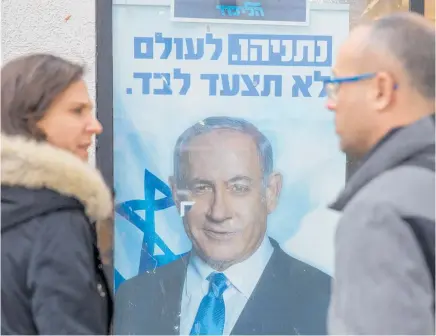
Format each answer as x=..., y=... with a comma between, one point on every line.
x=224, y=178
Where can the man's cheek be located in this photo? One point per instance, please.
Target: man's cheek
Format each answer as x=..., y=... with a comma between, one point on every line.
x=199, y=208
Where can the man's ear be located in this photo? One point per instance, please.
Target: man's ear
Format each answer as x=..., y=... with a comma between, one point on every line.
x=273, y=190
x=173, y=186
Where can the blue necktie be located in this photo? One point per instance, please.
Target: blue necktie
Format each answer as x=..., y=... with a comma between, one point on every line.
x=212, y=311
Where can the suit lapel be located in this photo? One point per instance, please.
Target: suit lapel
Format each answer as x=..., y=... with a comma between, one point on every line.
x=265, y=307
x=252, y=316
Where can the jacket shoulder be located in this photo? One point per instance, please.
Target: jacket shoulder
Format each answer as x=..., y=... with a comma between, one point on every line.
x=65, y=222
x=409, y=190
x=38, y=165
x=40, y=196
x=21, y=205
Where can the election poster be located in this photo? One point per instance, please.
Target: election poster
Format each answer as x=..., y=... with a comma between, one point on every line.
x=225, y=161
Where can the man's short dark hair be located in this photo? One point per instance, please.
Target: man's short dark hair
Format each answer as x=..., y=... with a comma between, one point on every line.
x=30, y=84
x=222, y=123
x=413, y=44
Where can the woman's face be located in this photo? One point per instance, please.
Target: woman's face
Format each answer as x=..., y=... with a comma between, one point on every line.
x=69, y=122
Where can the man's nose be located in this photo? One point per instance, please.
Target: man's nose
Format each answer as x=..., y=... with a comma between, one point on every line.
x=94, y=126
x=219, y=210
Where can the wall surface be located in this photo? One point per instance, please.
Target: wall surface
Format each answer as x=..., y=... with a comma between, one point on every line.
x=63, y=27
x=430, y=10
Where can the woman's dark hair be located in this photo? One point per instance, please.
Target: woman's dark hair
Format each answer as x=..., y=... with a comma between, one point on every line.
x=30, y=84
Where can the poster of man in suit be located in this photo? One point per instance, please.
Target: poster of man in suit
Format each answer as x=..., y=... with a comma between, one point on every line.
x=225, y=159
x=224, y=170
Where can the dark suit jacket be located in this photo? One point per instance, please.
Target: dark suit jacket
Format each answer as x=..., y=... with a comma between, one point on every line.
x=290, y=298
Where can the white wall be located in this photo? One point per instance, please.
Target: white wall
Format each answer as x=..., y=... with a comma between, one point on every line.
x=40, y=26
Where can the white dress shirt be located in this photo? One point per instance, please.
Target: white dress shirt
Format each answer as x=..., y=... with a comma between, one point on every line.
x=243, y=278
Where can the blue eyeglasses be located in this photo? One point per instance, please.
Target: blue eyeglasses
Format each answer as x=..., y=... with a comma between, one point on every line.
x=332, y=84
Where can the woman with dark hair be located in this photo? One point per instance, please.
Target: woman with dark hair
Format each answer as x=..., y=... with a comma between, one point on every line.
x=52, y=279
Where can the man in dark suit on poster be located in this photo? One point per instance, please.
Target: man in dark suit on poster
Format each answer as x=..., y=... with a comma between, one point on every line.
x=236, y=279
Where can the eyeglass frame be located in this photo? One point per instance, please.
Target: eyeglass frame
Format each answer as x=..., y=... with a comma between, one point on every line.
x=337, y=81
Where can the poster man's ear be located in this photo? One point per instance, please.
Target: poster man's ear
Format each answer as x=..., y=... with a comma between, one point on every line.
x=273, y=190
x=173, y=186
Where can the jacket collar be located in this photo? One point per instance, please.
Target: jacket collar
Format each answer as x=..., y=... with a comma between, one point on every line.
x=35, y=165
x=397, y=147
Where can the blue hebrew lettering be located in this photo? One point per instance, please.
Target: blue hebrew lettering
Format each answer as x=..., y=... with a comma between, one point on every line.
x=259, y=50
x=139, y=43
x=148, y=259
x=268, y=80
x=222, y=8
x=323, y=51
x=190, y=53
x=167, y=42
x=254, y=9
x=178, y=42
x=218, y=43
x=279, y=50
x=302, y=86
x=166, y=84
x=227, y=90
x=254, y=49
x=311, y=51
x=231, y=10
x=304, y=51
x=235, y=51
x=213, y=82
x=145, y=76
x=251, y=85
x=318, y=77
x=186, y=78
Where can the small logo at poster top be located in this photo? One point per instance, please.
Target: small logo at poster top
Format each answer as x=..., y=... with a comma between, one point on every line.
x=249, y=8
x=185, y=206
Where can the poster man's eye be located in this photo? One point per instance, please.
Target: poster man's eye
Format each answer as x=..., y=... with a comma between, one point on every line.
x=201, y=189
x=239, y=188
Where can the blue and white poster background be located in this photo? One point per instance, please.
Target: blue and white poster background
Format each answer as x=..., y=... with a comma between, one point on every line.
x=164, y=83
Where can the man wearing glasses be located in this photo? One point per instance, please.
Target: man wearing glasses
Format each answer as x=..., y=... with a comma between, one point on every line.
x=383, y=97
